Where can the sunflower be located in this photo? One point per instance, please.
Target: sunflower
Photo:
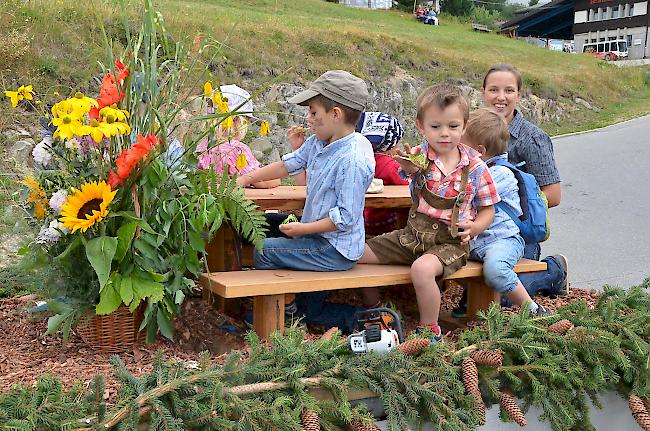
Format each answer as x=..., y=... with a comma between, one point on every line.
x=87, y=206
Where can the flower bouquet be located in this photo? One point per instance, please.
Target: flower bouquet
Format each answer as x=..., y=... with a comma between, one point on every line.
x=123, y=218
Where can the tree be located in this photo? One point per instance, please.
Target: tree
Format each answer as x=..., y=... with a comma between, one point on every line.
x=457, y=7
x=532, y=3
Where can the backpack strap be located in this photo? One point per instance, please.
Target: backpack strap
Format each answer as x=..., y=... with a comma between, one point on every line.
x=523, y=196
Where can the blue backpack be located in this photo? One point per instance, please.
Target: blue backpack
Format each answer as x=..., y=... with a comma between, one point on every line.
x=533, y=223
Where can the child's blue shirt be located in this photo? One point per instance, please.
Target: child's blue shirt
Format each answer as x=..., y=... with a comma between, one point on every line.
x=338, y=175
x=506, y=184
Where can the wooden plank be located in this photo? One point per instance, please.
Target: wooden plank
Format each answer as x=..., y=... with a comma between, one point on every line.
x=293, y=197
x=479, y=297
x=276, y=281
x=268, y=314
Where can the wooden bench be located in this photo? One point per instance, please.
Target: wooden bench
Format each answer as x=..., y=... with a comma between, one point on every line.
x=480, y=27
x=268, y=287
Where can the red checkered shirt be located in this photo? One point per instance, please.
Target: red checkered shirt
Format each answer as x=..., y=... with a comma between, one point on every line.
x=480, y=190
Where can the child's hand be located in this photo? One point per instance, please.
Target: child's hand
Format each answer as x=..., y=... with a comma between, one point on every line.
x=467, y=230
x=296, y=135
x=293, y=229
x=405, y=162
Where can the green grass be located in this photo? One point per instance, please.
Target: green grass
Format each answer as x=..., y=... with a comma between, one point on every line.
x=48, y=41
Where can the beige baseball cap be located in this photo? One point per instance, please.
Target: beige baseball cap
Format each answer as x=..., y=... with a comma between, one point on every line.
x=338, y=85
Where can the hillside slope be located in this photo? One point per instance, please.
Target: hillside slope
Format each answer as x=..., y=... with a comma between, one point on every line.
x=46, y=41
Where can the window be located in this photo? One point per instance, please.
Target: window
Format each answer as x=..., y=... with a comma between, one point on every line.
x=601, y=47
x=629, y=40
x=615, y=12
x=593, y=41
x=612, y=38
x=631, y=10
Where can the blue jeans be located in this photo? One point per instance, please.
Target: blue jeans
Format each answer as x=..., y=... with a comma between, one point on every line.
x=499, y=257
x=310, y=253
x=307, y=253
x=547, y=282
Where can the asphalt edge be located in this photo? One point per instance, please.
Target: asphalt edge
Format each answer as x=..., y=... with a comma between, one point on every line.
x=599, y=128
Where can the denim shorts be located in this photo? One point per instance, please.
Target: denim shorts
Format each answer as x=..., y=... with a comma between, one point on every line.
x=422, y=235
x=307, y=253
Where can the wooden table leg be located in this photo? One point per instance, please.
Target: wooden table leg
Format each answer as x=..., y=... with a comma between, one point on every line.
x=268, y=314
x=479, y=297
x=222, y=256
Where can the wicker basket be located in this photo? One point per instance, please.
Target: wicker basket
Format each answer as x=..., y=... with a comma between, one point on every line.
x=112, y=333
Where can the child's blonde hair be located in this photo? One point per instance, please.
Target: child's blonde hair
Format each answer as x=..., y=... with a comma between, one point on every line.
x=488, y=128
x=441, y=96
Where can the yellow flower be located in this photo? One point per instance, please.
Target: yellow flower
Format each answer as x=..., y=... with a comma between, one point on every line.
x=66, y=107
x=217, y=101
x=67, y=126
x=207, y=89
x=95, y=129
x=264, y=128
x=86, y=207
x=118, y=114
x=37, y=197
x=82, y=103
x=23, y=92
x=116, y=127
x=241, y=161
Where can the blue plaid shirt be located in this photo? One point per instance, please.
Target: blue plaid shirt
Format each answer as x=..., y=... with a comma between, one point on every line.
x=502, y=226
x=339, y=174
x=530, y=144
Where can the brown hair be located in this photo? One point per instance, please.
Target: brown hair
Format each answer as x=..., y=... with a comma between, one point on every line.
x=441, y=96
x=503, y=67
x=350, y=116
x=488, y=128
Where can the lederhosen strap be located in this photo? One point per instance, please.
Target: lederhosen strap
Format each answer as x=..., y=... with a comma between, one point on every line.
x=444, y=203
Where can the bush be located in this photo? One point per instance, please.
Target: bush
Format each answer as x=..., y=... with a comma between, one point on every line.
x=481, y=15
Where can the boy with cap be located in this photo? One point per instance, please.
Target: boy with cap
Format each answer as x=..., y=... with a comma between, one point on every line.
x=330, y=235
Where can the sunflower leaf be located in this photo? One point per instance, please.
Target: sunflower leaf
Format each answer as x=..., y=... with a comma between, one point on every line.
x=124, y=236
x=100, y=252
x=109, y=300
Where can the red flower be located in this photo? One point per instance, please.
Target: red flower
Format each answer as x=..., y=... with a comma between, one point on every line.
x=110, y=93
x=129, y=159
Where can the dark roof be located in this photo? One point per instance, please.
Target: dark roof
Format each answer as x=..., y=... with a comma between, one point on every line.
x=550, y=20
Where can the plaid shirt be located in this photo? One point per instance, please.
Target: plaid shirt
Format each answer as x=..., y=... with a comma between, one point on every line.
x=480, y=190
x=530, y=144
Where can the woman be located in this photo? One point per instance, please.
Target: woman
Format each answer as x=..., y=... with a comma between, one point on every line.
x=529, y=144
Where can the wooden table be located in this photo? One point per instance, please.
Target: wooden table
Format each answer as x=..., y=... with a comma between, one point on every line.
x=223, y=249
x=293, y=198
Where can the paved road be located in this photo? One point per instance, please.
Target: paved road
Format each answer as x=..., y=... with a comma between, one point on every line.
x=602, y=224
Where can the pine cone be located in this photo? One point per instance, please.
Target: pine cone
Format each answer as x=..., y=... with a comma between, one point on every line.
x=491, y=358
x=560, y=327
x=480, y=407
x=511, y=407
x=414, y=346
x=310, y=421
x=647, y=404
x=357, y=425
x=329, y=333
x=639, y=412
x=470, y=375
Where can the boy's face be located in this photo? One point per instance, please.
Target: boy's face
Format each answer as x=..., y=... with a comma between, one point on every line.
x=442, y=128
x=324, y=124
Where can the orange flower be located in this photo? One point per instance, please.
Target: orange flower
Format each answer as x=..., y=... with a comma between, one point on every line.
x=129, y=159
x=110, y=93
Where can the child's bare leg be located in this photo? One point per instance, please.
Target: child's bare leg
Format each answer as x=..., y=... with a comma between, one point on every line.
x=370, y=295
x=424, y=271
x=519, y=295
x=368, y=256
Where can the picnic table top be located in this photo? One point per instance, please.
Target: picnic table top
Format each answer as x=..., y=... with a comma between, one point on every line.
x=293, y=197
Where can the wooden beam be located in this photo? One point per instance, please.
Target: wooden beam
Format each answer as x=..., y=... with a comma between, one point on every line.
x=239, y=284
x=268, y=314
